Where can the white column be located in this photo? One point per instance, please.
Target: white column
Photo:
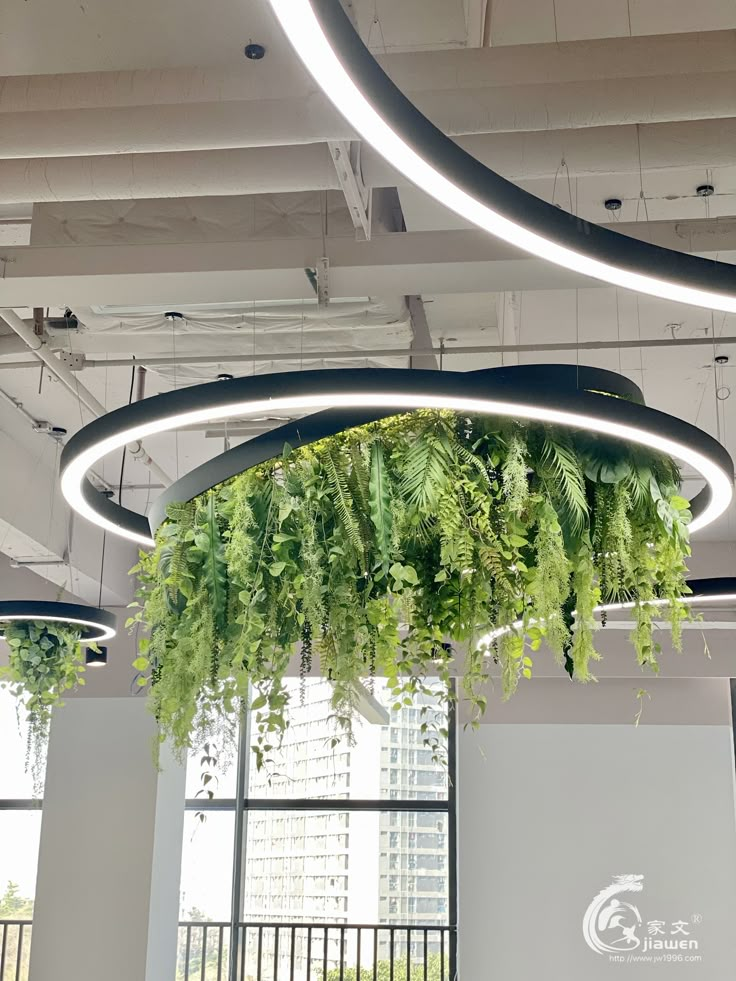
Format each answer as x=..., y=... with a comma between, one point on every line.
x=108, y=876
x=560, y=794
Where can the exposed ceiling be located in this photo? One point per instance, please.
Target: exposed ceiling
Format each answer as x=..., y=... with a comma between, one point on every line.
x=147, y=167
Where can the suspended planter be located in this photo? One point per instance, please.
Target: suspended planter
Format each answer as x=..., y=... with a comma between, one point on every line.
x=384, y=540
x=45, y=660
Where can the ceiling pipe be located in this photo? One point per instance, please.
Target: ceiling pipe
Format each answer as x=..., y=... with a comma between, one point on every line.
x=72, y=384
x=415, y=71
x=446, y=350
x=539, y=86
x=127, y=176
x=304, y=120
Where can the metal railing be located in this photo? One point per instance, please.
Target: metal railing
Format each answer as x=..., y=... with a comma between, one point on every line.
x=15, y=949
x=315, y=952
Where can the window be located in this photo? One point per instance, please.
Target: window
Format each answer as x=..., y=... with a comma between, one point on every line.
x=326, y=836
x=20, y=816
x=206, y=867
x=20, y=834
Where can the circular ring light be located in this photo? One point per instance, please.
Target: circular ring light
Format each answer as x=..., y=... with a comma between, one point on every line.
x=565, y=395
x=702, y=592
x=95, y=624
x=332, y=51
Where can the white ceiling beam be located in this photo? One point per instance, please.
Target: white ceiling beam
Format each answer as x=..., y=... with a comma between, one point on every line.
x=303, y=119
x=522, y=157
x=402, y=263
x=421, y=335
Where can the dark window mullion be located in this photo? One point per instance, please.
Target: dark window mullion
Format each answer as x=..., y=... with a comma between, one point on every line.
x=314, y=804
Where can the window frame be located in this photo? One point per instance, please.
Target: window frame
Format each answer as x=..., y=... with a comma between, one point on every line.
x=242, y=805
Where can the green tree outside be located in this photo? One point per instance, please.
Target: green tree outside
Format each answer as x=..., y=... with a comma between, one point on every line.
x=434, y=971
x=13, y=906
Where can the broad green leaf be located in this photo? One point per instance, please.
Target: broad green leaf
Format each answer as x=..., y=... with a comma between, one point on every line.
x=380, y=504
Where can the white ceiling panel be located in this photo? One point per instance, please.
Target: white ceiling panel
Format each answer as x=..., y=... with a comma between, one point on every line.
x=530, y=21
x=58, y=36
x=412, y=25
x=677, y=16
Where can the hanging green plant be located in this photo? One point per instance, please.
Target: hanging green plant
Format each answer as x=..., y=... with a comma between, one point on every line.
x=381, y=548
x=44, y=662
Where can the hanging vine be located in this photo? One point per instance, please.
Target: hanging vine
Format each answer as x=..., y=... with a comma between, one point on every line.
x=378, y=549
x=45, y=661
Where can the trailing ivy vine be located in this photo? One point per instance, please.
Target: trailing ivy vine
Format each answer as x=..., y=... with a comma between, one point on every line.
x=383, y=549
x=45, y=661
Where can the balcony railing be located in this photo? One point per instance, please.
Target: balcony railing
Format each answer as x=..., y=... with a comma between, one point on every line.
x=15, y=949
x=315, y=952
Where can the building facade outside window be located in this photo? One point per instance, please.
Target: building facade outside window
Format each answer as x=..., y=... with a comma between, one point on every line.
x=336, y=838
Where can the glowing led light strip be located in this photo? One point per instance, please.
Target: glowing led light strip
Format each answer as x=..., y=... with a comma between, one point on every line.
x=691, y=599
x=339, y=76
x=74, y=473
x=106, y=632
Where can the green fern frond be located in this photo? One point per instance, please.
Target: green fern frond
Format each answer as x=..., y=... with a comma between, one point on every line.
x=380, y=503
x=183, y=516
x=342, y=500
x=427, y=470
x=214, y=569
x=569, y=485
x=359, y=487
x=514, y=475
x=471, y=459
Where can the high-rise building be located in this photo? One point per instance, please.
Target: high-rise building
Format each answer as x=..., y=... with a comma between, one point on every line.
x=340, y=867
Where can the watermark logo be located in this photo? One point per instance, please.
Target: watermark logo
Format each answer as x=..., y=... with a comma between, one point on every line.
x=614, y=925
x=611, y=923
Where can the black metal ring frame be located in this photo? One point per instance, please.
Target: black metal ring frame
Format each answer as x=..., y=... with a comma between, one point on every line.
x=564, y=394
x=712, y=589
x=95, y=624
x=535, y=389
x=489, y=189
x=701, y=591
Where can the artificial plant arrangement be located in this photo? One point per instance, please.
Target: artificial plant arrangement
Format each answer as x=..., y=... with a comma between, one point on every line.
x=44, y=662
x=381, y=548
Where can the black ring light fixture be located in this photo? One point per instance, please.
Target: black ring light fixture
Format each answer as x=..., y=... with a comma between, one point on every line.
x=332, y=51
x=95, y=624
x=565, y=395
x=702, y=592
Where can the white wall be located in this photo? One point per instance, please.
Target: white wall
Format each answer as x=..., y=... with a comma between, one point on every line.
x=110, y=848
x=562, y=796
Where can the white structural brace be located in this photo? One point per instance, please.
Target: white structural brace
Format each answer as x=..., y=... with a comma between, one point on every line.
x=73, y=385
x=346, y=157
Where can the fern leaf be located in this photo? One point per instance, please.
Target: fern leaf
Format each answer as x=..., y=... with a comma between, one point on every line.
x=342, y=501
x=472, y=460
x=183, y=516
x=570, y=482
x=428, y=469
x=359, y=487
x=214, y=568
x=360, y=478
x=380, y=503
